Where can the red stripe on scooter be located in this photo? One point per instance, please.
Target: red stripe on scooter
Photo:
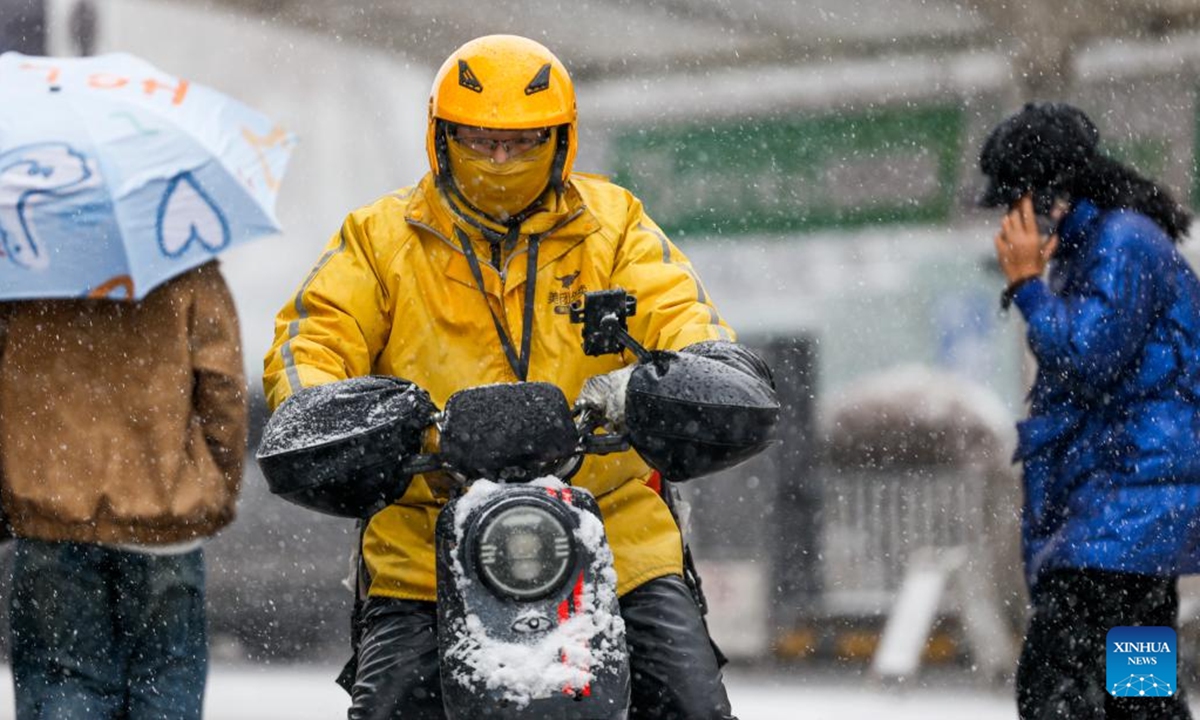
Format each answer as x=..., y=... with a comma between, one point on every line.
x=566, y=608
x=577, y=594
x=564, y=614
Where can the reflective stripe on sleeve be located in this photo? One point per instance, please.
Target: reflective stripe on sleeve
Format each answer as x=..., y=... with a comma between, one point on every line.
x=701, y=296
x=289, y=360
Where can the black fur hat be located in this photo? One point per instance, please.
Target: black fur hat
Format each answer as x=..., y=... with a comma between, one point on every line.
x=1040, y=149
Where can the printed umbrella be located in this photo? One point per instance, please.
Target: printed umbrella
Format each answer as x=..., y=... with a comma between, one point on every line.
x=115, y=176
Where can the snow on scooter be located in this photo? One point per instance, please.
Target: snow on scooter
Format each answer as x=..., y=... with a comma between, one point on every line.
x=528, y=621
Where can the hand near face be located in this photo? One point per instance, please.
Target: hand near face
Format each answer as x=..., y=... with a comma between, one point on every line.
x=1023, y=252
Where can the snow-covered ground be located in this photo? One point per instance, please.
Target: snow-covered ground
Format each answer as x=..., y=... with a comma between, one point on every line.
x=255, y=692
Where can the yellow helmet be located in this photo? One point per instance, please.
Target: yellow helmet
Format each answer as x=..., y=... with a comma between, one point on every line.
x=505, y=82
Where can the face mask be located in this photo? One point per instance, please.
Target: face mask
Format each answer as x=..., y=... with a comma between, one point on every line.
x=501, y=190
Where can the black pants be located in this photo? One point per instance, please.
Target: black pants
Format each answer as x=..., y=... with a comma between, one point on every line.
x=674, y=672
x=1062, y=669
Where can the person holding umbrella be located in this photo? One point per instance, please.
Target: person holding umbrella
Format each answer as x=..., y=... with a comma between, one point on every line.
x=466, y=279
x=122, y=438
x=1111, y=450
x=123, y=415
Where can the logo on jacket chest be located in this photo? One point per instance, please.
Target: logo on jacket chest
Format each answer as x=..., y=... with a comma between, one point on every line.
x=563, y=292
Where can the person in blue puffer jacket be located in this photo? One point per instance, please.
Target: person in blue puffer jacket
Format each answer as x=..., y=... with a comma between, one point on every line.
x=1111, y=447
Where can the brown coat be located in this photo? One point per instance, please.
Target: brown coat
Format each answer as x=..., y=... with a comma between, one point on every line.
x=123, y=422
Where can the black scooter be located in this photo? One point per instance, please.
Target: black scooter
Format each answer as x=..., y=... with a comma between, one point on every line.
x=528, y=622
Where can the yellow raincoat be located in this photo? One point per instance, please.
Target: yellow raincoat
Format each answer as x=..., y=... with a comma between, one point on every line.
x=394, y=294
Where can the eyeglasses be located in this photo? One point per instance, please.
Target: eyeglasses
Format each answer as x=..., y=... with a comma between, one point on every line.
x=512, y=146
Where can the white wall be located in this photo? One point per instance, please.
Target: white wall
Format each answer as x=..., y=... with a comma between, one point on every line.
x=359, y=114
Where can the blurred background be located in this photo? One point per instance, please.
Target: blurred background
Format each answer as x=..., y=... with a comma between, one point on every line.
x=816, y=159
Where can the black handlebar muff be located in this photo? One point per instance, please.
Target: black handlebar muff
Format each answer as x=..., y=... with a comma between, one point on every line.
x=339, y=448
x=687, y=415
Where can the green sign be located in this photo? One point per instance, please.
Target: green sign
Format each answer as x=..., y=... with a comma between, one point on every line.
x=1196, y=157
x=795, y=173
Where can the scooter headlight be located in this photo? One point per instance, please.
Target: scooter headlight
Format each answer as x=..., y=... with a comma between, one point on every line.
x=524, y=551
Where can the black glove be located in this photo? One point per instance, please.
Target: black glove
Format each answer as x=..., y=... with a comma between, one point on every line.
x=337, y=448
x=701, y=410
